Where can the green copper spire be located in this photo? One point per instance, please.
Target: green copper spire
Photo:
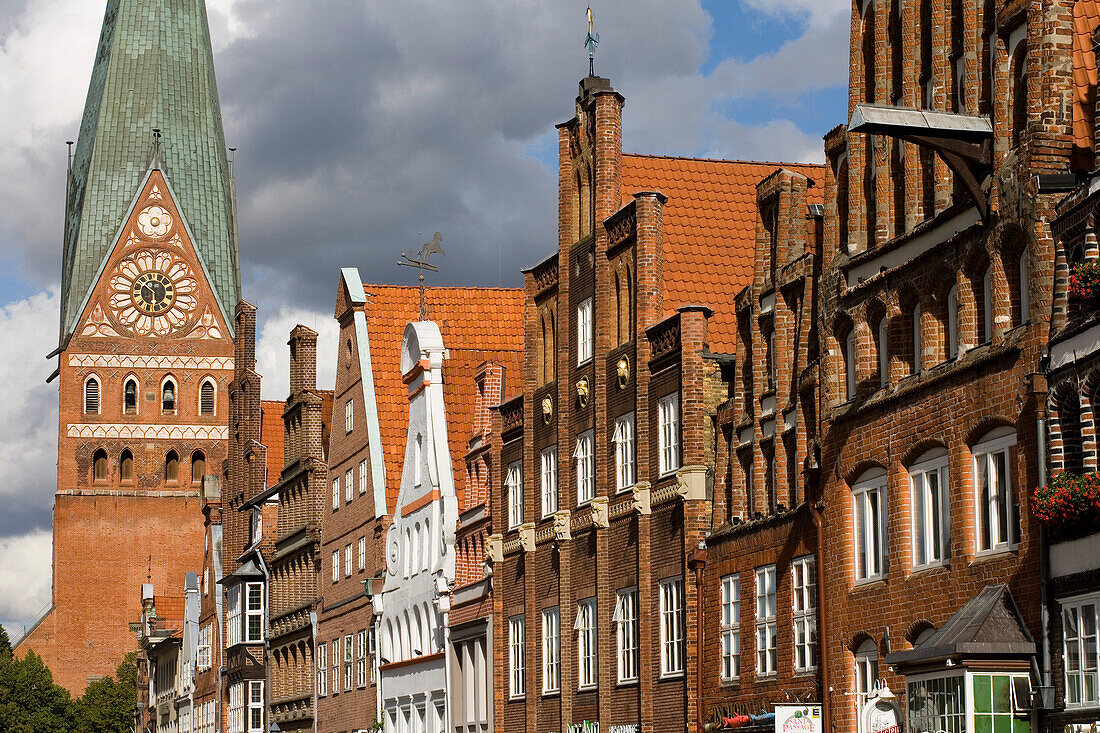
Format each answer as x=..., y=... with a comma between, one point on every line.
x=154, y=69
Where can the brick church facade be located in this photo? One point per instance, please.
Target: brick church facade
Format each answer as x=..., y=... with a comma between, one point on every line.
x=149, y=278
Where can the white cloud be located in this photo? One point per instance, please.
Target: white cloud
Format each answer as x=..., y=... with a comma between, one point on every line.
x=815, y=11
x=24, y=579
x=273, y=354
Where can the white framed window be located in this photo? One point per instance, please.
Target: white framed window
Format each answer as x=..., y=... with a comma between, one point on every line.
x=347, y=662
x=517, y=655
x=987, y=305
x=626, y=633
x=672, y=627
x=586, y=467
x=804, y=613
x=584, y=331
x=930, y=509
x=91, y=396
x=952, y=322
x=549, y=463
x=625, y=458
x=883, y=337
x=587, y=655
x=335, y=648
x=941, y=704
x=997, y=524
x=1080, y=655
x=349, y=419
x=347, y=560
x=254, y=612
x=731, y=627
x=362, y=554
x=235, y=712
x=336, y=493
x=361, y=658
x=869, y=499
x=668, y=432
x=322, y=670
x=349, y=486
x=513, y=482
x=551, y=650
x=233, y=614
x=335, y=565
x=362, y=477
x=256, y=706
x=168, y=396
x=767, y=650
x=866, y=673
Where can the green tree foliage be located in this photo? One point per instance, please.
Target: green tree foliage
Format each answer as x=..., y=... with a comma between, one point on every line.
x=30, y=702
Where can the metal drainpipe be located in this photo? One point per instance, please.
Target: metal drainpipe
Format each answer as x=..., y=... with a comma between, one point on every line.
x=1044, y=558
x=698, y=562
x=823, y=635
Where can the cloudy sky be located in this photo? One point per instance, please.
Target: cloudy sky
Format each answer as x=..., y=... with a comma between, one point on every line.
x=363, y=126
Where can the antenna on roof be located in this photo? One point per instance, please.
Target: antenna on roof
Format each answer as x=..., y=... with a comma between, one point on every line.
x=419, y=260
x=591, y=41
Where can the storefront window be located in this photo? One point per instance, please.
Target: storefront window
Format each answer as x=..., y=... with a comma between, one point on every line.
x=936, y=704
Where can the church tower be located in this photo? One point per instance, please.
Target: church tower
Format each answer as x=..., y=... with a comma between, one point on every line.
x=150, y=278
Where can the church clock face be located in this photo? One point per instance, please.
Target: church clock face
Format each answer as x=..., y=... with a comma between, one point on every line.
x=153, y=293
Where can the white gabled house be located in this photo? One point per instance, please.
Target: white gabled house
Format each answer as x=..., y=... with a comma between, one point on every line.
x=420, y=551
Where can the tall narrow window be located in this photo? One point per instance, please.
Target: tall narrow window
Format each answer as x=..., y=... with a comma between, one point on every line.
x=998, y=523
x=987, y=305
x=1023, y=299
x=335, y=565
x=362, y=555
x=513, y=483
x=349, y=416
x=361, y=658
x=869, y=497
x=362, y=477
x=883, y=348
x=206, y=398
x=668, y=427
x=549, y=460
x=168, y=396
x=517, y=657
x=869, y=48
x=915, y=320
x=929, y=509
x=99, y=465
x=586, y=467
x=625, y=472
x=584, y=331
x=322, y=670
x=254, y=612
x=1019, y=93
x=952, y=322
x=770, y=358
x=804, y=613
x=551, y=650
x=672, y=626
x=336, y=493
x=348, y=559
x=129, y=397
x=731, y=627
x=348, y=659
x=126, y=466
x=171, y=467
x=91, y=396
x=850, y=365
x=866, y=672
x=256, y=706
x=1079, y=633
x=198, y=466
x=626, y=633
x=349, y=485
x=767, y=650
x=585, y=626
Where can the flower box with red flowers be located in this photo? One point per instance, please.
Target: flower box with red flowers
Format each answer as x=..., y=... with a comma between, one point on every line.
x=1084, y=283
x=1070, y=503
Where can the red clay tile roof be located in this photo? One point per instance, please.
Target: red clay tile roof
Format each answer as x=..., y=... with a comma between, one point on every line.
x=1086, y=17
x=271, y=431
x=710, y=228
x=477, y=324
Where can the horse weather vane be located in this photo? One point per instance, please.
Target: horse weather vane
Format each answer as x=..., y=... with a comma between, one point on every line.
x=591, y=41
x=419, y=260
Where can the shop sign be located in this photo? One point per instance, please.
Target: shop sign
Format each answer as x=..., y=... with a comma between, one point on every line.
x=628, y=728
x=882, y=714
x=798, y=718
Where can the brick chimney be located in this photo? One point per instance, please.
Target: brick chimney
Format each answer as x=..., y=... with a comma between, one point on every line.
x=303, y=359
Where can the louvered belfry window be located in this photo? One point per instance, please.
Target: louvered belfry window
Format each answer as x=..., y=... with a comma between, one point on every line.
x=206, y=399
x=91, y=396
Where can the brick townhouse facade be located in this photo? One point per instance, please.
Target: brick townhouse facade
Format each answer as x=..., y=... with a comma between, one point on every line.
x=605, y=477
x=760, y=599
x=149, y=275
x=367, y=457
x=936, y=303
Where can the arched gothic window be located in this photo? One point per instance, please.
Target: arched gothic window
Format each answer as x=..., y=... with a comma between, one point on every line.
x=91, y=396
x=99, y=465
x=171, y=467
x=129, y=396
x=168, y=396
x=126, y=466
x=206, y=398
x=198, y=466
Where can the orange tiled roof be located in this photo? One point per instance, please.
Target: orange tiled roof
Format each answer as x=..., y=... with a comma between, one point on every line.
x=710, y=228
x=477, y=324
x=1086, y=17
x=271, y=431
